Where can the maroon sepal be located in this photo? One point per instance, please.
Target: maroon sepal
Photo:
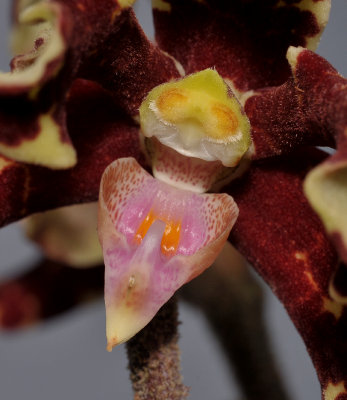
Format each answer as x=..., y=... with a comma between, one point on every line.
x=48, y=289
x=322, y=93
x=339, y=280
x=99, y=41
x=26, y=97
x=332, y=184
x=283, y=238
x=101, y=134
x=246, y=41
x=78, y=28
x=309, y=109
x=129, y=65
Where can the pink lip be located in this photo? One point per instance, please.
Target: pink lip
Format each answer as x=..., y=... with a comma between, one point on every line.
x=139, y=276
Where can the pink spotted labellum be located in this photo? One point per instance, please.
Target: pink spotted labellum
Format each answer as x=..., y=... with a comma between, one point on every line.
x=91, y=106
x=180, y=235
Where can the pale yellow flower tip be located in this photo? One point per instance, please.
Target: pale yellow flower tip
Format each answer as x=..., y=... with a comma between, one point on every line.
x=198, y=117
x=126, y=3
x=67, y=235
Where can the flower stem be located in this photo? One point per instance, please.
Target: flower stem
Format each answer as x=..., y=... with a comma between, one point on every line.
x=232, y=302
x=154, y=358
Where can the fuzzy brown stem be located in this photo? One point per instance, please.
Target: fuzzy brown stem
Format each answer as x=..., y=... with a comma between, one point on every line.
x=154, y=358
x=232, y=301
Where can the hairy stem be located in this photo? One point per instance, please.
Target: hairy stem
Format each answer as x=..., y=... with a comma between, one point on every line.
x=232, y=302
x=154, y=358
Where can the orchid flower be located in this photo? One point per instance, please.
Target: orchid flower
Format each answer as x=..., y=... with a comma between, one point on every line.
x=230, y=98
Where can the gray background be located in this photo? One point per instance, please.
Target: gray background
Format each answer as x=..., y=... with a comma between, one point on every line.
x=66, y=358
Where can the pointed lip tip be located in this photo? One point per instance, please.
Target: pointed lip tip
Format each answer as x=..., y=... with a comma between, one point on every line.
x=111, y=344
x=116, y=341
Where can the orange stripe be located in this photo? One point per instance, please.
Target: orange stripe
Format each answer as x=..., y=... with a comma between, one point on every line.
x=171, y=238
x=143, y=228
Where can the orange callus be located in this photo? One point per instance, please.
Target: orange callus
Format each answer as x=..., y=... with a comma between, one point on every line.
x=172, y=103
x=144, y=226
x=171, y=236
x=227, y=122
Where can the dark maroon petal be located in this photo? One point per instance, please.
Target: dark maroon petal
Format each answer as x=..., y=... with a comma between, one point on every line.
x=338, y=284
x=322, y=93
x=309, y=109
x=13, y=184
x=32, y=123
x=32, y=117
x=129, y=65
x=326, y=190
x=279, y=124
x=45, y=291
x=281, y=236
x=32, y=98
x=100, y=132
x=245, y=40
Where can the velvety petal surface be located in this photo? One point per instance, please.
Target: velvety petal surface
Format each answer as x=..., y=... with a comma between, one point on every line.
x=326, y=189
x=57, y=42
x=155, y=238
x=338, y=284
x=326, y=107
x=129, y=65
x=309, y=109
x=245, y=40
x=284, y=239
x=32, y=122
x=101, y=134
x=51, y=38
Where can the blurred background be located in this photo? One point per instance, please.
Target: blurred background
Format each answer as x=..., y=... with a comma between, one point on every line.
x=65, y=357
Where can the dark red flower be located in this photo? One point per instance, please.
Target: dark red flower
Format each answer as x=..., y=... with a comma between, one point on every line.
x=70, y=107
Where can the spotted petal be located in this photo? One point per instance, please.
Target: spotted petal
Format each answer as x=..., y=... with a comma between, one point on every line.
x=155, y=238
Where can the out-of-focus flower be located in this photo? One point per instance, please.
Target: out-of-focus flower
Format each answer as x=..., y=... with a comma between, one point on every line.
x=70, y=107
x=67, y=235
